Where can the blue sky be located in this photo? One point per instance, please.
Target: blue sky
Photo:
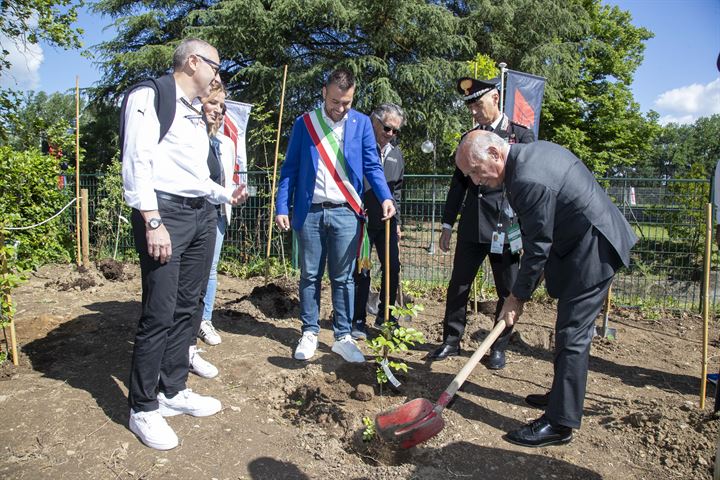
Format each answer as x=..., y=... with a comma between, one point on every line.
x=678, y=78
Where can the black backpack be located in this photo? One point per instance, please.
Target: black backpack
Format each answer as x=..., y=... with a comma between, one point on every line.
x=164, y=88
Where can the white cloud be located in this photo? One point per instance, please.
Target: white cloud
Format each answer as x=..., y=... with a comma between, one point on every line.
x=25, y=60
x=687, y=104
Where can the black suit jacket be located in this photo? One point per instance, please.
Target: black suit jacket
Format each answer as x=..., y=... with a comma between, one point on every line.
x=394, y=169
x=571, y=229
x=477, y=224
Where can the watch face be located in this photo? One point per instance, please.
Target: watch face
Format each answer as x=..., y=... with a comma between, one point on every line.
x=154, y=223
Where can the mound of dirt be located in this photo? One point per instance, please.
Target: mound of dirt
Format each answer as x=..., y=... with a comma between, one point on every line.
x=111, y=269
x=75, y=278
x=276, y=299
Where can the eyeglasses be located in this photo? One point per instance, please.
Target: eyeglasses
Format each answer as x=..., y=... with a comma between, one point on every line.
x=389, y=129
x=214, y=65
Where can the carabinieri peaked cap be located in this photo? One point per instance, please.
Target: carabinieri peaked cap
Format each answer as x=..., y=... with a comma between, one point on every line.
x=471, y=88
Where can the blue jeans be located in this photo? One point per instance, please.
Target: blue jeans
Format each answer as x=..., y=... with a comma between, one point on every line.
x=212, y=279
x=328, y=234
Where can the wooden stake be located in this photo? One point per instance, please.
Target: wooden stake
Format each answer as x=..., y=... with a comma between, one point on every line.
x=13, y=338
x=387, y=271
x=274, y=177
x=77, y=166
x=706, y=302
x=6, y=294
x=85, y=233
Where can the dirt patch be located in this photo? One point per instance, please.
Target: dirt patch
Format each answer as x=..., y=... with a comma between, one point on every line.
x=111, y=269
x=284, y=419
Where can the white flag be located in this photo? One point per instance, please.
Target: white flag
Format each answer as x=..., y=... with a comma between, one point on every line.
x=234, y=127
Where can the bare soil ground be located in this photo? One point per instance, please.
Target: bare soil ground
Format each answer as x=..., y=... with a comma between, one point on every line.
x=65, y=413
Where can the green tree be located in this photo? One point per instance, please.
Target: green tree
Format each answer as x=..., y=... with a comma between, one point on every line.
x=27, y=22
x=410, y=52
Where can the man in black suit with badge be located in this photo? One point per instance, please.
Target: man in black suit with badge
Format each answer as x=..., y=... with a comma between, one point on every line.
x=485, y=218
x=574, y=235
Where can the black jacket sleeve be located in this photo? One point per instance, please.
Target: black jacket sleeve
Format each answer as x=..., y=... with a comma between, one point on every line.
x=455, y=197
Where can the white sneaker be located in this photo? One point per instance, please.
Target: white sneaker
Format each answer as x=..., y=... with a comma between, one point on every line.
x=306, y=346
x=348, y=349
x=208, y=334
x=200, y=367
x=152, y=430
x=188, y=402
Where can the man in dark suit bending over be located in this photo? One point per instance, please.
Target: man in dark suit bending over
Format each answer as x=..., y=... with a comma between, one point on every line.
x=576, y=236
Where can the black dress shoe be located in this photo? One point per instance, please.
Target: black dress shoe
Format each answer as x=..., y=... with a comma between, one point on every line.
x=496, y=360
x=445, y=350
x=537, y=400
x=540, y=433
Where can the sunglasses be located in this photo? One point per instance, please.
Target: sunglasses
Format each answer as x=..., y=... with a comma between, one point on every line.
x=387, y=129
x=214, y=65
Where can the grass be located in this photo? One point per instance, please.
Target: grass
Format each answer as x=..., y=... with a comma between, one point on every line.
x=652, y=232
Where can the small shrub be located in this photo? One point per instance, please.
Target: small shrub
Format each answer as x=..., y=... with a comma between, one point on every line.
x=394, y=339
x=368, y=434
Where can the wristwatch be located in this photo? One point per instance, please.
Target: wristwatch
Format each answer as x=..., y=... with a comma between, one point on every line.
x=154, y=223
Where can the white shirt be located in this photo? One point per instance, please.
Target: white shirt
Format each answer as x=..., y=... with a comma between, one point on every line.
x=326, y=189
x=177, y=165
x=384, y=152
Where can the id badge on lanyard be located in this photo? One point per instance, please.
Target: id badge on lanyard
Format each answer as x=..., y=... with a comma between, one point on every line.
x=515, y=238
x=513, y=232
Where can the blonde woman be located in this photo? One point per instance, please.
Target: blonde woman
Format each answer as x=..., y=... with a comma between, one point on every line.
x=221, y=162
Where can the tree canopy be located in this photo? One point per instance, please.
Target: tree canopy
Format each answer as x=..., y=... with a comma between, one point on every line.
x=25, y=23
x=409, y=52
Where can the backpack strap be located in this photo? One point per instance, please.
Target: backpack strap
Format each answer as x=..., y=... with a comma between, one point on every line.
x=164, y=88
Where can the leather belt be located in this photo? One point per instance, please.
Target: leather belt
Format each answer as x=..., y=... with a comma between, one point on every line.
x=192, y=202
x=331, y=205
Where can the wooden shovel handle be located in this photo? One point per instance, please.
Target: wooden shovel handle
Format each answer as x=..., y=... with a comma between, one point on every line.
x=387, y=271
x=460, y=378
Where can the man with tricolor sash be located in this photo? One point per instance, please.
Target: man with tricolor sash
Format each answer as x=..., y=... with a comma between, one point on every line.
x=331, y=150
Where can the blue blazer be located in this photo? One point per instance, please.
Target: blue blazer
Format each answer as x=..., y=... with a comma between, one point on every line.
x=299, y=170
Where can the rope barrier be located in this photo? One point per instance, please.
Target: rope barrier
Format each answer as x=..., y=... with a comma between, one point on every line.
x=44, y=221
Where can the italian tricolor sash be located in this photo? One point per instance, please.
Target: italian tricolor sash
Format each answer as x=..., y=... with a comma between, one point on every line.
x=331, y=155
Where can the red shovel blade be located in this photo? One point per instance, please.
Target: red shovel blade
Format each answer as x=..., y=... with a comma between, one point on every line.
x=387, y=423
x=411, y=423
x=422, y=430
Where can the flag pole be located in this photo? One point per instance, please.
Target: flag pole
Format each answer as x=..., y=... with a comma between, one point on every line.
x=274, y=177
x=503, y=69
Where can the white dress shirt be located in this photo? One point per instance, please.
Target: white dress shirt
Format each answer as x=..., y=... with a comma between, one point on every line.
x=326, y=189
x=177, y=165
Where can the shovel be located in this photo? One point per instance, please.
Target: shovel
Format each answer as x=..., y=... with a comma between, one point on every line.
x=418, y=420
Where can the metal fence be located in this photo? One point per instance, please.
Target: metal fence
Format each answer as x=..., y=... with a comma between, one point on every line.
x=667, y=215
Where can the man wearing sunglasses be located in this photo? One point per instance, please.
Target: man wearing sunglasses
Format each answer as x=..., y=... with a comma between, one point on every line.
x=166, y=180
x=486, y=215
x=387, y=120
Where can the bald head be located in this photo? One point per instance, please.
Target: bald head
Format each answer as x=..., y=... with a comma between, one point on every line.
x=481, y=156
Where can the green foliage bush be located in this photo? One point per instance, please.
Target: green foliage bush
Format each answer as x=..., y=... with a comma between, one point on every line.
x=30, y=195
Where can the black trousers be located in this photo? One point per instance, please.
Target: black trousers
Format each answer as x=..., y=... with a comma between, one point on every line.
x=574, y=331
x=362, y=281
x=466, y=263
x=171, y=299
